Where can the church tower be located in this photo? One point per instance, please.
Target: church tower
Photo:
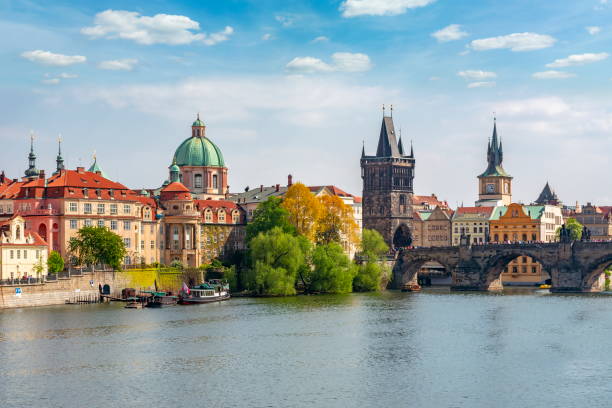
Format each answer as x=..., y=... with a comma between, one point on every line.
x=387, y=187
x=31, y=171
x=494, y=185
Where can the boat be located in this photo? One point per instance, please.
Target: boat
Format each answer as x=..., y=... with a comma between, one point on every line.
x=134, y=303
x=214, y=290
x=545, y=286
x=160, y=299
x=411, y=287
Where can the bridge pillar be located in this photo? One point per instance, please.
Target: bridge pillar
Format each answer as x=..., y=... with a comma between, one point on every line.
x=468, y=276
x=566, y=278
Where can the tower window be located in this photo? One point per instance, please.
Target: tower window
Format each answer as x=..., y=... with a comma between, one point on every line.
x=215, y=183
x=197, y=181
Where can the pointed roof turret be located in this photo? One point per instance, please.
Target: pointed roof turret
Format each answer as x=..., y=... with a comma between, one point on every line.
x=363, y=149
x=400, y=146
x=495, y=155
x=95, y=167
x=31, y=171
x=548, y=196
x=59, y=160
x=175, y=172
x=411, y=150
x=387, y=143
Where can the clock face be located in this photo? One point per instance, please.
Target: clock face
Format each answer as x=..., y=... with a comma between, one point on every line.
x=490, y=188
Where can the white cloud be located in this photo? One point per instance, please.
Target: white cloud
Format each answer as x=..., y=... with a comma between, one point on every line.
x=553, y=75
x=514, y=42
x=49, y=58
x=286, y=20
x=320, y=38
x=477, y=74
x=593, y=30
x=66, y=75
x=52, y=81
x=119, y=65
x=353, y=8
x=578, y=59
x=147, y=30
x=266, y=36
x=341, y=62
x=449, y=33
x=482, y=84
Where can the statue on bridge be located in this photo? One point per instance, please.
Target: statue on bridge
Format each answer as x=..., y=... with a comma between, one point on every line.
x=586, y=234
x=564, y=235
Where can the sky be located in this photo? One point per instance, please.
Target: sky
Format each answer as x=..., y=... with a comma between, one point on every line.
x=296, y=87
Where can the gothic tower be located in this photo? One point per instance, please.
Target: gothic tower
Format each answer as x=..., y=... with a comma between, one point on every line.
x=494, y=185
x=31, y=171
x=387, y=188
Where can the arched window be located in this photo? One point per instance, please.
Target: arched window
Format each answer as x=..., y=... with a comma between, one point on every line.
x=197, y=181
x=18, y=233
x=214, y=181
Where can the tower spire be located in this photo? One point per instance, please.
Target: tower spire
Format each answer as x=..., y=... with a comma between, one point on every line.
x=59, y=159
x=31, y=171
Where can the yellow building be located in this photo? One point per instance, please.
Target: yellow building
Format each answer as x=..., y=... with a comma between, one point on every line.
x=519, y=223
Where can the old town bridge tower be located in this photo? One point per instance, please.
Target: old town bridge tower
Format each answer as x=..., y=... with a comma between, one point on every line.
x=387, y=187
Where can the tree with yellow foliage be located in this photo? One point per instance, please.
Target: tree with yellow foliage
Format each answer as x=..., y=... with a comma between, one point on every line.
x=336, y=222
x=304, y=209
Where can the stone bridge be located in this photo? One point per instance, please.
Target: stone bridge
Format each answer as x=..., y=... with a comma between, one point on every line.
x=573, y=267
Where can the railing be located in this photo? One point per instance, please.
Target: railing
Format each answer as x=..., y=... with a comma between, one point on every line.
x=51, y=278
x=21, y=281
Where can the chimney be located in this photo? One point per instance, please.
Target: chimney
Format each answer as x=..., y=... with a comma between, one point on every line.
x=289, y=180
x=98, y=172
x=277, y=187
x=41, y=174
x=261, y=188
x=80, y=170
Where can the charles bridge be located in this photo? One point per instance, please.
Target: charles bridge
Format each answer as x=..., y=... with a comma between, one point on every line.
x=572, y=266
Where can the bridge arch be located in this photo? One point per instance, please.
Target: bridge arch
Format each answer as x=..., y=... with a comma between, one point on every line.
x=593, y=271
x=408, y=268
x=494, y=267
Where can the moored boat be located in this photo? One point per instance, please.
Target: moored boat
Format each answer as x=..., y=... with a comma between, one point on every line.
x=134, y=303
x=212, y=291
x=411, y=287
x=161, y=299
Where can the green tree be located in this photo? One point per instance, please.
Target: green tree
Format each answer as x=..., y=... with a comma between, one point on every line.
x=276, y=257
x=268, y=215
x=333, y=271
x=94, y=245
x=372, y=273
x=55, y=263
x=574, y=227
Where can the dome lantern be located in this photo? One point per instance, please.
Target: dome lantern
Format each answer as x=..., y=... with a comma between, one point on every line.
x=198, y=128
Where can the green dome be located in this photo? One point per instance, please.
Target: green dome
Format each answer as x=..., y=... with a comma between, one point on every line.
x=198, y=122
x=198, y=151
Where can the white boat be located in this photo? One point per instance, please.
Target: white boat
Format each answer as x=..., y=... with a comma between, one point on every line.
x=212, y=291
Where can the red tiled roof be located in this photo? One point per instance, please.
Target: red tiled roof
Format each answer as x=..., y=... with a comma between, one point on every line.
x=432, y=200
x=202, y=204
x=12, y=190
x=357, y=199
x=475, y=210
x=175, y=187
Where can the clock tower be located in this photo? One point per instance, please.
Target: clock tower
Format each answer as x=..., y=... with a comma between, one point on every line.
x=494, y=185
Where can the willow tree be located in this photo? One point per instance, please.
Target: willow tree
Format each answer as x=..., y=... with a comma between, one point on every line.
x=304, y=209
x=97, y=245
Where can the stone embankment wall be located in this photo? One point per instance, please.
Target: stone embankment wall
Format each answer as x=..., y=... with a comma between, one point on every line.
x=58, y=292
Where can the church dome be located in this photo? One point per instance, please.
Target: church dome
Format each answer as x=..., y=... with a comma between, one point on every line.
x=198, y=151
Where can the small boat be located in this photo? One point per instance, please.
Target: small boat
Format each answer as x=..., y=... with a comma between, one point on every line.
x=160, y=299
x=411, y=287
x=214, y=290
x=545, y=286
x=134, y=303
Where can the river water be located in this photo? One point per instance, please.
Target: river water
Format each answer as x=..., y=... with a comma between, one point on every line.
x=429, y=349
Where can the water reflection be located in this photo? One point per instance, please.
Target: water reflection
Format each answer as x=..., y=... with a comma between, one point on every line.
x=429, y=349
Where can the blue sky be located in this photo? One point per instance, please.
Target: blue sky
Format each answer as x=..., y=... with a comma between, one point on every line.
x=297, y=86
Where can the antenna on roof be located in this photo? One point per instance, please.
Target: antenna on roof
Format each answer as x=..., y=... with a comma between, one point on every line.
x=383, y=110
x=391, y=110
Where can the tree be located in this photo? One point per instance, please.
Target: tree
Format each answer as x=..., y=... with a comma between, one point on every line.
x=336, y=221
x=276, y=257
x=333, y=270
x=303, y=208
x=95, y=245
x=55, y=263
x=574, y=227
x=268, y=215
x=372, y=273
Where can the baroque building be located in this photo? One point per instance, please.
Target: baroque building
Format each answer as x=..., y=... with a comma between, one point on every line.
x=388, y=188
x=494, y=184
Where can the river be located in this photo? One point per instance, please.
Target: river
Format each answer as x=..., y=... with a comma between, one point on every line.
x=429, y=349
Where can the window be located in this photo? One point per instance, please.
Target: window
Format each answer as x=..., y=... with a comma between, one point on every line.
x=87, y=208
x=72, y=207
x=127, y=225
x=127, y=242
x=221, y=216
x=74, y=224
x=152, y=244
x=534, y=269
x=113, y=225
x=18, y=254
x=100, y=223
x=127, y=209
x=37, y=253
x=127, y=260
x=208, y=216
x=197, y=181
x=25, y=254
x=524, y=269
x=12, y=254
x=142, y=244
x=215, y=181
x=524, y=259
x=113, y=209
x=101, y=208
x=87, y=223
x=514, y=269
